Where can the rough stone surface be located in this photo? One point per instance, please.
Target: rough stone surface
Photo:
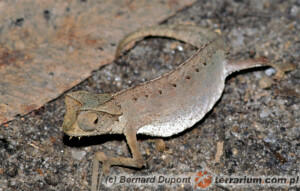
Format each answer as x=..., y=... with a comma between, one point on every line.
x=259, y=128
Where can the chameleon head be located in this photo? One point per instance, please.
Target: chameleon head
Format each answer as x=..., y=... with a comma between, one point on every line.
x=88, y=114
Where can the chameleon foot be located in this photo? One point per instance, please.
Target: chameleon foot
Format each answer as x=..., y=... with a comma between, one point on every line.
x=99, y=156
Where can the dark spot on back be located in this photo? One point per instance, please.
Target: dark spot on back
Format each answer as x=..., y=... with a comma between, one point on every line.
x=19, y=22
x=46, y=14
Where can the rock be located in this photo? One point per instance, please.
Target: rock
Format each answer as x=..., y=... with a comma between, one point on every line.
x=265, y=113
x=270, y=71
x=265, y=82
x=78, y=155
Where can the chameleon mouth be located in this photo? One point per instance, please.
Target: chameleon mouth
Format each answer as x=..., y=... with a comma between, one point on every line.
x=75, y=131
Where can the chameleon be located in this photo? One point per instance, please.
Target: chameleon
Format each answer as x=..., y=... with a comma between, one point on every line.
x=164, y=106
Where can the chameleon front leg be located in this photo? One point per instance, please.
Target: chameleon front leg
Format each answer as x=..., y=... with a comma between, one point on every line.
x=136, y=160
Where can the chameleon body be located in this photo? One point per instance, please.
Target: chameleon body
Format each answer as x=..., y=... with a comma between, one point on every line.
x=161, y=107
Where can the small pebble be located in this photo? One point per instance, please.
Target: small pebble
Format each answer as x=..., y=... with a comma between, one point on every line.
x=265, y=82
x=117, y=78
x=265, y=113
x=180, y=48
x=120, y=151
x=51, y=179
x=12, y=183
x=270, y=71
x=270, y=138
x=78, y=155
x=235, y=151
x=237, y=135
x=295, y=11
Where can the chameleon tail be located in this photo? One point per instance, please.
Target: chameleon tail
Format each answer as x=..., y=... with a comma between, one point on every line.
x=234, y=66
x=193, y=35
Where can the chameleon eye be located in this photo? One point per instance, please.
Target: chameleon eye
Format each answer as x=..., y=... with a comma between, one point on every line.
x=88, y=121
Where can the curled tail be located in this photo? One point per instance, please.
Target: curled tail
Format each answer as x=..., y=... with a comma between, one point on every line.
x=191, y=34
x=237, y=65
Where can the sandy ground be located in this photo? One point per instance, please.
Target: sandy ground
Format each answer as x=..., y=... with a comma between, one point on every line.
x=257, y=120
